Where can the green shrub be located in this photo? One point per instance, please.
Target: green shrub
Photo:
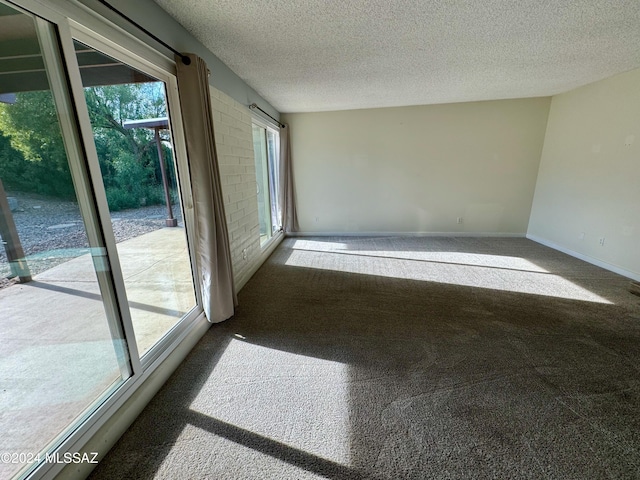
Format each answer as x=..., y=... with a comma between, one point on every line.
x=120, y=199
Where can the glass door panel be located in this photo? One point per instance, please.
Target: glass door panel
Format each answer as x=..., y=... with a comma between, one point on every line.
x=62, y=350
x=131, y=130
x=262, y=179
x=274, y=174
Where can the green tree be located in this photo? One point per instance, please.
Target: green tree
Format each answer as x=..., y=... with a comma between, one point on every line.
x=128, y=157
x=12, y=166
x=31, y=124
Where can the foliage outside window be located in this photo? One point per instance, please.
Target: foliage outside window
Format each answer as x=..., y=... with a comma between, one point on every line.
x=33, y=158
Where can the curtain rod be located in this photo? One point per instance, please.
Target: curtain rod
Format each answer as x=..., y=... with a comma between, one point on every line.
x=186, y=60
x=253, y=106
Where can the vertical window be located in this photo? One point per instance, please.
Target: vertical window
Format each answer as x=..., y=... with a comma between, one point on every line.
x=62, y=347
x=132, y=135
x=266, y=151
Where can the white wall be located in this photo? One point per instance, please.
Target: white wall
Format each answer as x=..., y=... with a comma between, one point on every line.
x=589, y=179
x=417, y=169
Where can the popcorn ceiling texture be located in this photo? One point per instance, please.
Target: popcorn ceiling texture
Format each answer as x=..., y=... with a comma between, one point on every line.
x=318, y=55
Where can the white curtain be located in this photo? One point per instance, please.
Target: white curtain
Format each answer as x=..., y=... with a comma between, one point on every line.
x=213, y=251
x=287, y=192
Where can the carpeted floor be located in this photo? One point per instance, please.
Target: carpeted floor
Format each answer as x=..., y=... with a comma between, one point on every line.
x=405, y=358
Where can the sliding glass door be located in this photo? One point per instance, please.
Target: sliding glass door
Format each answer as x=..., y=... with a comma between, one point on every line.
x=266, y=151
x=96, y=278
x=62, y=345
x=132, y=135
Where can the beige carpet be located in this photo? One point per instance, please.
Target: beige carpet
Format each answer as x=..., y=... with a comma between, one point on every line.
x=405, y=358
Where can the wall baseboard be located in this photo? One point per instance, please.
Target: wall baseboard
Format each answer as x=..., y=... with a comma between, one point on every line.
x=587, y=258
x=406, y=234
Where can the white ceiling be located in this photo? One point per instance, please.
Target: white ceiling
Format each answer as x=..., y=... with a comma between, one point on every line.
x=318, y=55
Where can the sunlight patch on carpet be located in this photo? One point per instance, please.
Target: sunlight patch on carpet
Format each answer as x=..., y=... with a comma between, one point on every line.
x=462, y=258
x=327, y=246
x=294, y=400
x=505, y=275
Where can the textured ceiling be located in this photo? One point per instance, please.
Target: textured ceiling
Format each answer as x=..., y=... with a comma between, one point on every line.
x=316, y=55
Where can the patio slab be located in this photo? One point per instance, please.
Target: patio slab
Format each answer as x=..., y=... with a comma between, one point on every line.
x=57, y=354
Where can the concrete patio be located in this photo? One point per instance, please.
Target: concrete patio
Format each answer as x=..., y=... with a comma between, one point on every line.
x=57, y=354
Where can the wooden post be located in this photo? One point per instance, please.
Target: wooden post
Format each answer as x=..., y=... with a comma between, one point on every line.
x=171, y=221
x=11, y=240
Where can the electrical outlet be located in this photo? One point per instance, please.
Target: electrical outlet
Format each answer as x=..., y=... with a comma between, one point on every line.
x=581, y=236
x=601, y=241
x=317, y=219
x=244, y=253
x=459, y=221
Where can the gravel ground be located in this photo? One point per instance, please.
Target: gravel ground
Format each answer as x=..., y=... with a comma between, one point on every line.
x=52, y=231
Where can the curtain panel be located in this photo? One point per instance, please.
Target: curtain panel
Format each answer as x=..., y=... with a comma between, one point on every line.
x=213, y=255
x=287, y=192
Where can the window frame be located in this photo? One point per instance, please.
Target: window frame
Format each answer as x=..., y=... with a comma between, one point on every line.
x=269, y=126
x=111, y=49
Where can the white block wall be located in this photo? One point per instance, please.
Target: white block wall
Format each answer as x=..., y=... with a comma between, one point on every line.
x=234, y=143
